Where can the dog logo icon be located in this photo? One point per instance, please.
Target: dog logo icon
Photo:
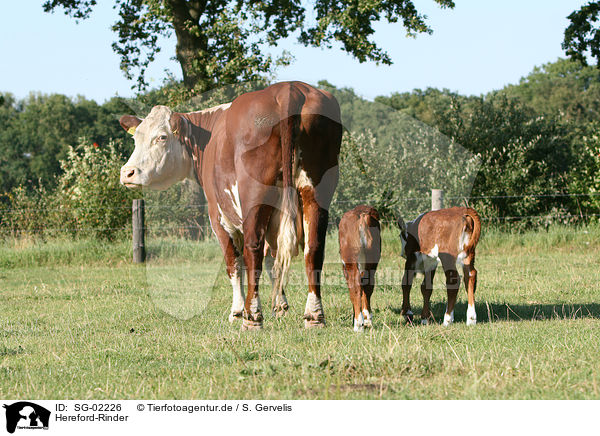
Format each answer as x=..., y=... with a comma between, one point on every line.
x=26, y=415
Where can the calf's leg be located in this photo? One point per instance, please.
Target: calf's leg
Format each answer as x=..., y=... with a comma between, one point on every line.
x=426, y=290
x=353, y=279
x=368, y=284
x=452, y=285
x=470, y=277
x=407, y=281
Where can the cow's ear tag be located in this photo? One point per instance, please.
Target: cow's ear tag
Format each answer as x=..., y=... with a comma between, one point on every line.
x=131, y=130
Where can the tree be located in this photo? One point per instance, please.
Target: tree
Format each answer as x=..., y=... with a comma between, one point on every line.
x=582, y=36
x=566, y=89
x=221, y=41
x=37, y=131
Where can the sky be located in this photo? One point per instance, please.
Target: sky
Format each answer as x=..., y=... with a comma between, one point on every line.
x=479, y=46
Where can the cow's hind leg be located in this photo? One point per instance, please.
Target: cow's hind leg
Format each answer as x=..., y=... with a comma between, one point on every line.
x=255, y=224
x=470, y=277
x=315, y=229
x=281, y=305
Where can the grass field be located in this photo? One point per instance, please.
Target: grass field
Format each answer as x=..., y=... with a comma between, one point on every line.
x=77, y=320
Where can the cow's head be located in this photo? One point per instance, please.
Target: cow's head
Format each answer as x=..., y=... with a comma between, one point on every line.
x=159, y=159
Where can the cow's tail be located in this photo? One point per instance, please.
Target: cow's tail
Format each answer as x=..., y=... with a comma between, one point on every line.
x=287, y=239
x=473, y=223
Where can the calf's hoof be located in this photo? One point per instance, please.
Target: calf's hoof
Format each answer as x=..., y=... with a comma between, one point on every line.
x=409, y=317
x=368, y=323
x=471, y=316
x=248, y=324
x=448, y=319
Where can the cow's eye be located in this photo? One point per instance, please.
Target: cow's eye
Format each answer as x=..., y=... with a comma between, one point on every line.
x=162, y=138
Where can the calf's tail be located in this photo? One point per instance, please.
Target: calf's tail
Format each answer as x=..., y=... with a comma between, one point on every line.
x=474, y=225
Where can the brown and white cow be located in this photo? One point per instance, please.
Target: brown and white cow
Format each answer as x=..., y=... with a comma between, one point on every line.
x=448, y=236
x=268, y=164
x=360, y=250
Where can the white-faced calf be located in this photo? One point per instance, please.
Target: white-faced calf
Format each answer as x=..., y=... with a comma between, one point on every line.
x=360, y=250
x=448, y=236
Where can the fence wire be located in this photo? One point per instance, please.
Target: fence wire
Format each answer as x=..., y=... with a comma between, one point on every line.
x=206, y=231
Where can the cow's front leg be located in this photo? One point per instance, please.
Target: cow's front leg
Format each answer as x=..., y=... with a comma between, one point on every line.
x=236, y=276
x=254, y=240
x=231, y=245
x=315, y=229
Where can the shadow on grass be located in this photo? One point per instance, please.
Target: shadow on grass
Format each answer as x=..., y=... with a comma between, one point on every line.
x=498, y=312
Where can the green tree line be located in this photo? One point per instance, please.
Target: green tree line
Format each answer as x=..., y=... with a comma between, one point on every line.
x=507, y=153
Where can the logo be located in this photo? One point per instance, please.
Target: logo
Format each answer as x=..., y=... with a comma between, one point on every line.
x=26, y=415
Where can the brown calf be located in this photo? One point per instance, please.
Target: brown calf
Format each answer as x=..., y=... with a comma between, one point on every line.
x=360, y=250
x=448, y=236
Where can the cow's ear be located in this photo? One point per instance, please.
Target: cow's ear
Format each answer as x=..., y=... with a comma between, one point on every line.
x=129, y=123
x=188, y=133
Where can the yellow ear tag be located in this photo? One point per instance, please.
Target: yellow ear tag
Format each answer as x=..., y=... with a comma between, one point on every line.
x=131, y=130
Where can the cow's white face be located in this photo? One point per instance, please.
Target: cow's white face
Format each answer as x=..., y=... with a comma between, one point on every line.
x=159, y=160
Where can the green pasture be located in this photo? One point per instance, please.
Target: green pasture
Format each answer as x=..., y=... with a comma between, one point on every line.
x=79, y=321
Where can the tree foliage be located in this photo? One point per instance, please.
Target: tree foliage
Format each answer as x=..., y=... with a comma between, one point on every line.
x=566, y=89
x=37, y=131
x=223, y=41
x=582, y=36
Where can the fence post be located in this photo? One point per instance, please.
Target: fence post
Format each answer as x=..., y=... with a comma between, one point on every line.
x=137, y=221
x=437, y=199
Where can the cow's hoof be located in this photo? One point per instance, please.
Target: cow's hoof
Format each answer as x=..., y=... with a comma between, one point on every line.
x=312, y=323
x=368, y=323
x=409, y=317
x=424, y=321
x=233, y=316
x=315, y=320
x=251, y=325
x=280, y=310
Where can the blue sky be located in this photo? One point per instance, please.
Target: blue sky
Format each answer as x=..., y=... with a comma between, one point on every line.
x=479, y=46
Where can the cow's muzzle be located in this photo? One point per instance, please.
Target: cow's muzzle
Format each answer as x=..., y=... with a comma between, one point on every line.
x=129, y=177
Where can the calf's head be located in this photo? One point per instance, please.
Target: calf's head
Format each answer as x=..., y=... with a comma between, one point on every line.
x=403, y=236
x=159, y=159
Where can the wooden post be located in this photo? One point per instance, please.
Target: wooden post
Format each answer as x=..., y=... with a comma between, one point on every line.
x=437, y=199
x=137, y=221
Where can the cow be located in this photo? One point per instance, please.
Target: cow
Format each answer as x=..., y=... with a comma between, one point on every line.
x=360, y=250
x=268, y=165
x=448, y=236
